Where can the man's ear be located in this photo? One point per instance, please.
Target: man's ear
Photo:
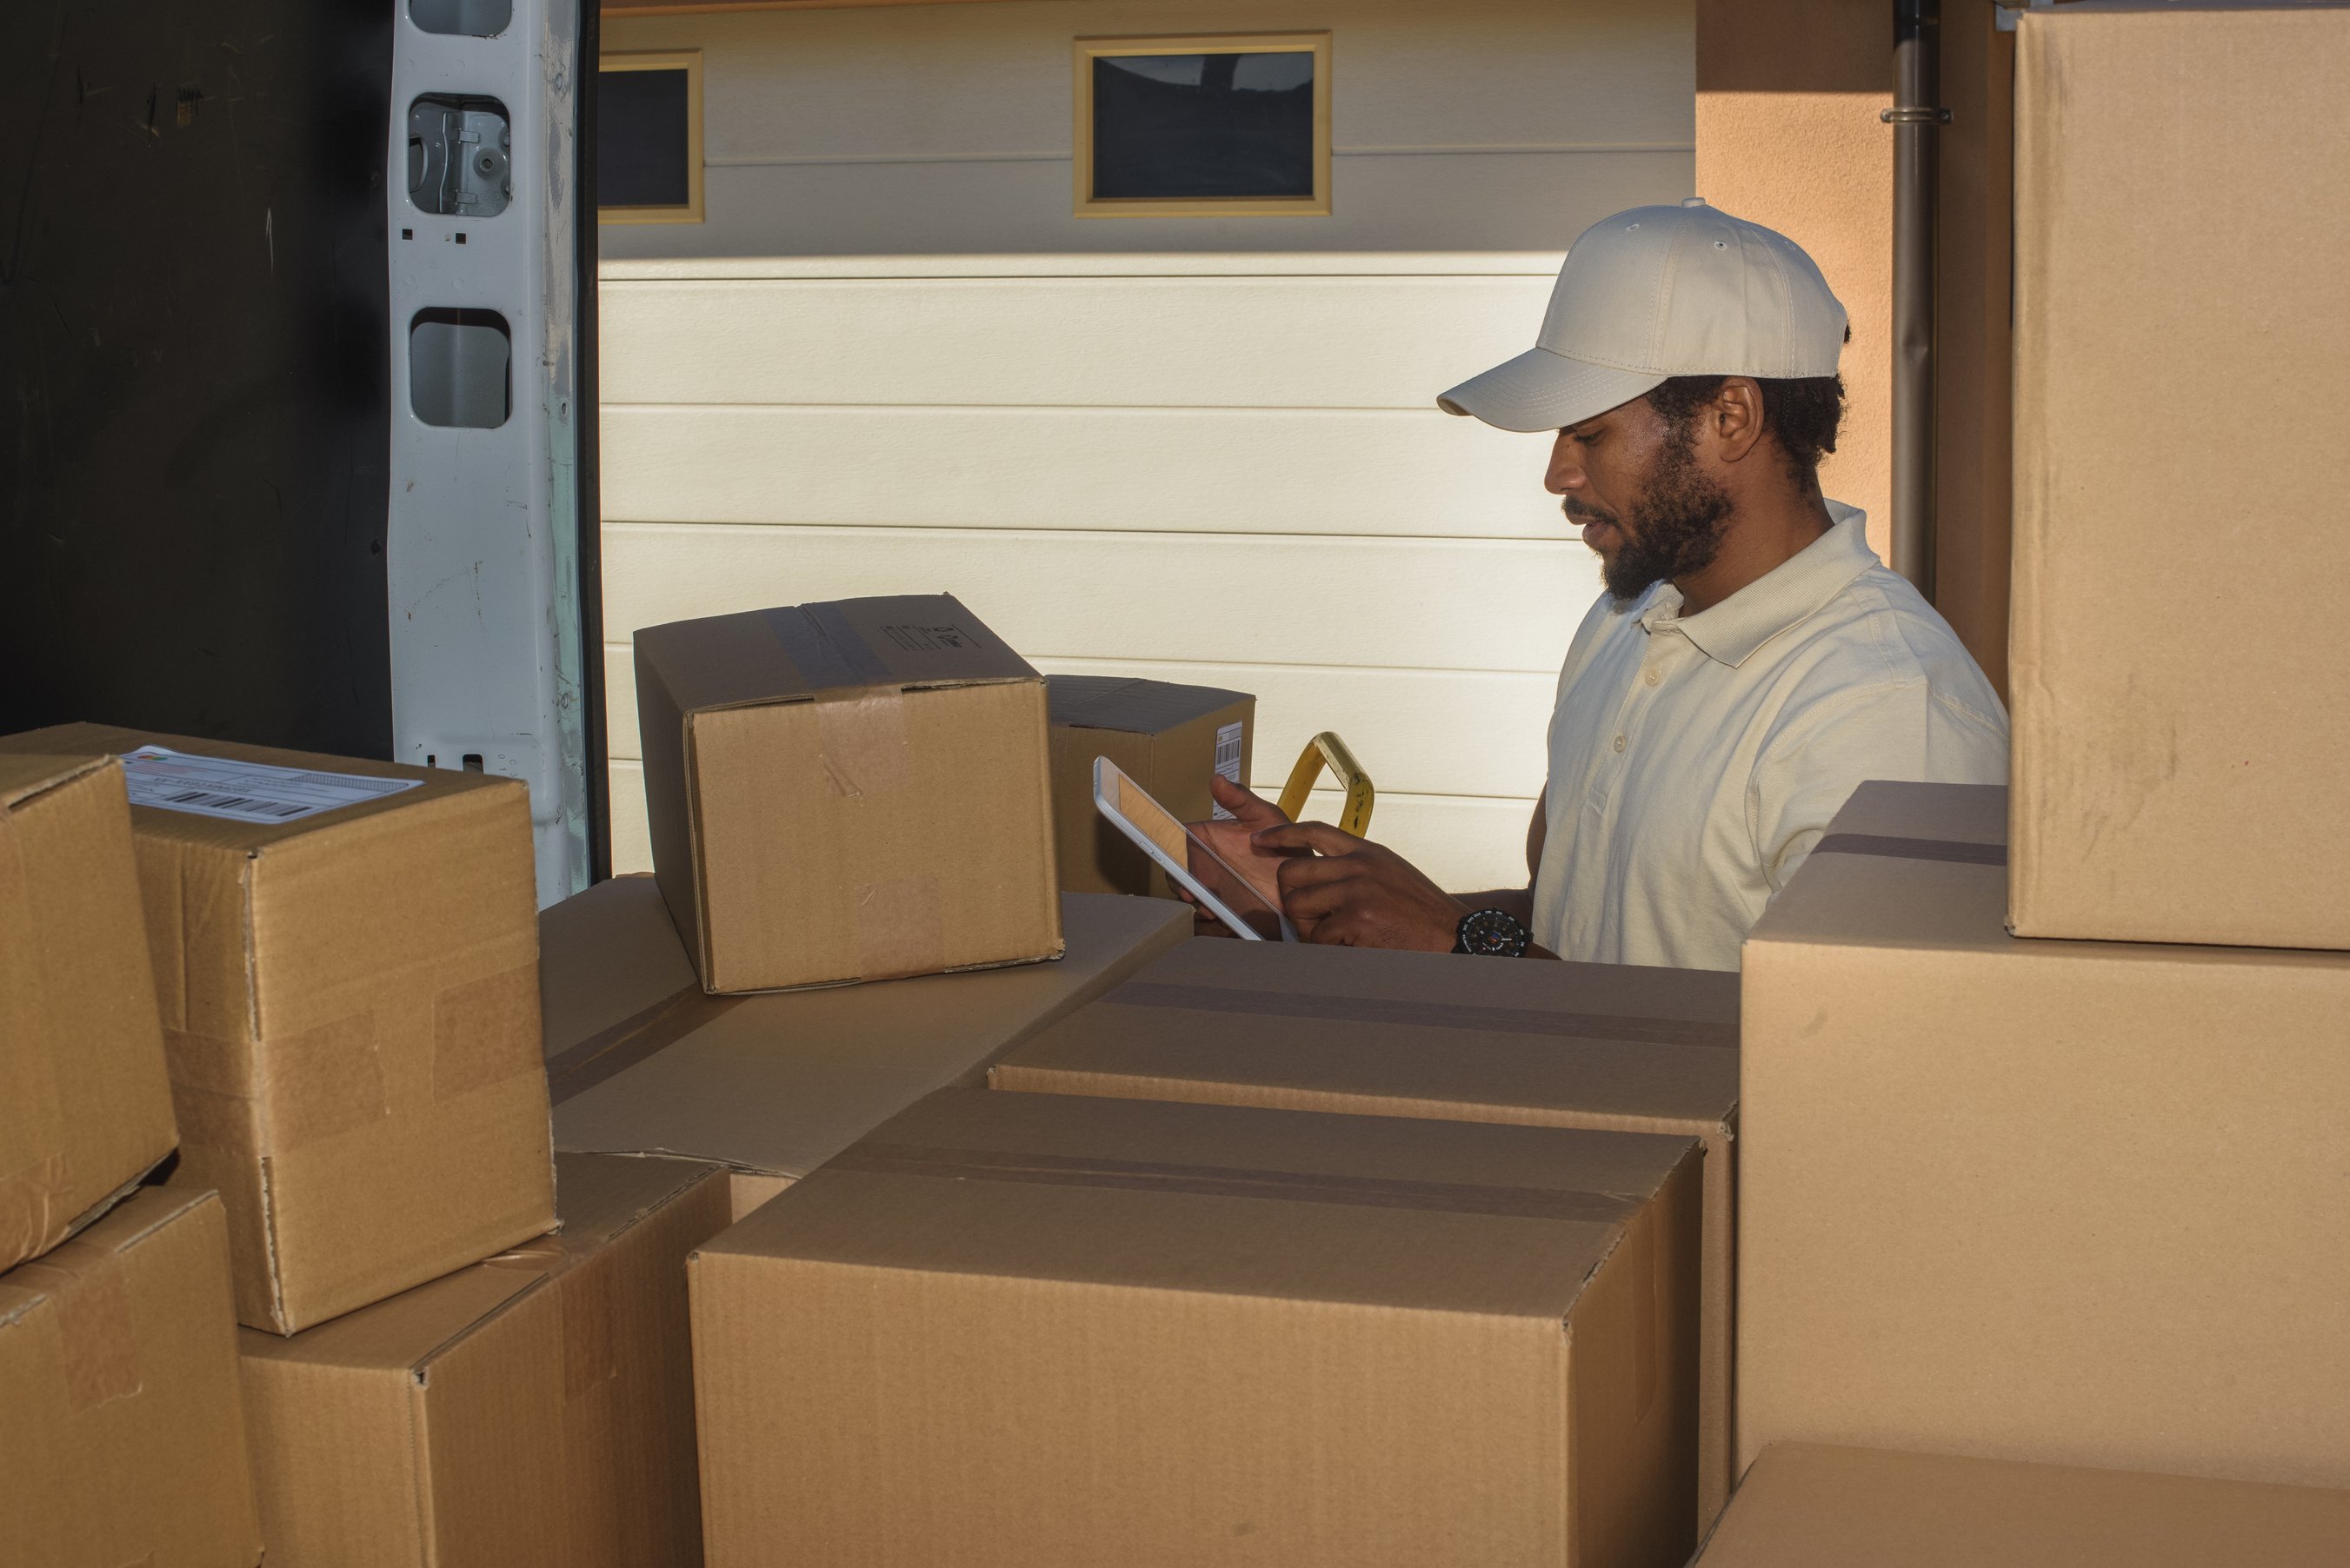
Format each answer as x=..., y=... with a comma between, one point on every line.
x=1734, y=419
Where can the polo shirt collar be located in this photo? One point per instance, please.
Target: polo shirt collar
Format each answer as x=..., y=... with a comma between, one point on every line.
x=1731, y=631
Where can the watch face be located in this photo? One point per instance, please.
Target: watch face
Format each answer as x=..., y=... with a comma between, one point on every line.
x=1494, y=932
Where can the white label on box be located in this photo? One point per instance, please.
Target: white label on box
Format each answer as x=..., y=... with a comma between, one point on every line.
x=244, y=792
x=1228, y=760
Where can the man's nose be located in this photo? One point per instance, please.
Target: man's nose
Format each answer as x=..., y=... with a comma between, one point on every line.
x=1566, y=467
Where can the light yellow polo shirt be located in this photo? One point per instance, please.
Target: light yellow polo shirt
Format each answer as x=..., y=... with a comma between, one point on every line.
x=1694, y=761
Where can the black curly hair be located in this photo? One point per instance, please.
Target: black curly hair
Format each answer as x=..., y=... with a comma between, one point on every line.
x=1802, y=416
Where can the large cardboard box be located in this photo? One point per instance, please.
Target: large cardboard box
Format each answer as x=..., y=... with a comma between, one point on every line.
x=639, y=1061
x=2077, y=1202
x=1431, y=1035
x=350, y=1016
x=1168, y=738
x=1809, y=1506
x=532, y=1411
x=1065, y=1331
x=2182, y=725
x=122, y=1435
x=850, y=791
x=85, y=1104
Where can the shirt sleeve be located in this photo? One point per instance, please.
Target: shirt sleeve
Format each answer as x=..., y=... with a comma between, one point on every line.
x=1898, y=730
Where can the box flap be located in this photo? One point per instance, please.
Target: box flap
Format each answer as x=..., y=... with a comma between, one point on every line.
x=603, y=956
x=794, y=651
x=1607, y=1039
x=1862, y=1508
x=219, y=833
x=24, y=774
x=403, y=1334
x=1131, y=704
x=776, y=1083
x=1446, y=1216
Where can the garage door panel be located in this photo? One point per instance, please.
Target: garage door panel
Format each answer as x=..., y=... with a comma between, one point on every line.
x=1430, y=604
x=1216, y=471
x=1141, y=342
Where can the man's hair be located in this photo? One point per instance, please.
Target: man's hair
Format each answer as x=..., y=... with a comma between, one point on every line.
x=1802, y=416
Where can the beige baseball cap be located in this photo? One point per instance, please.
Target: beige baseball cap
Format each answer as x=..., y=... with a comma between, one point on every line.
x=1657, y=292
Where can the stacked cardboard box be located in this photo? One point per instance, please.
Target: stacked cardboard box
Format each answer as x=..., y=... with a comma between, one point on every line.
x=1169, y=739
x=640, y=1061
x=350, y=1012
x=2182, y=725
x=1062, y=1330
x=1428, y=1035
x=2070, y=1201
x=532, y=1411
x=85, y=1105
x=122, y=1435
x=851, y=791
x=1805, y=1506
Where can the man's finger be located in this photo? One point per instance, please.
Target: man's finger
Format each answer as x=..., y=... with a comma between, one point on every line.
x=1319, y=837
x=1252, y=809
x=1308, y=870
x=1318, y=900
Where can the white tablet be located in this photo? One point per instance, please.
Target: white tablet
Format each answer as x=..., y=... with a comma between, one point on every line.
x=1197, y=869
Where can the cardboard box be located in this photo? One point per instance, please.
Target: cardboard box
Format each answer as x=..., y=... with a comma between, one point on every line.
x=2076, y=1202
x=1430, y=1035
x=2182, y=731
x=122, y=1436
x=532, y=1411
x=851, y=791
x=639, y=1061
x=1169, y=739
x=350, y=1016
x=1063, y=1331
x=1806, y=1506
x=85, y=1104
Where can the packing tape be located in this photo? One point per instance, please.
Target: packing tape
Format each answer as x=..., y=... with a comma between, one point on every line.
x=1214, y=1182
x=278, y=1093
x=612, y=1051
x=31, y=1211
x=861, y=737
x=98, y=1330
x=899, y=928
x=824, y=648
x=1428, y=1014
x=485, y=1031
x=1912, y=848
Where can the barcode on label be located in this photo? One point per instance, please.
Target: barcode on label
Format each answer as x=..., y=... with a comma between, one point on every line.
x=1228, y=759
x=238, y=802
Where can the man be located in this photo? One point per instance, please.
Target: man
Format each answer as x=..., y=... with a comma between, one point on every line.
x=1750, y=662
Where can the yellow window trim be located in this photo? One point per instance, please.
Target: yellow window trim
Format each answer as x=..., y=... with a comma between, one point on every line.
x=690, y=61
x=1315, y=206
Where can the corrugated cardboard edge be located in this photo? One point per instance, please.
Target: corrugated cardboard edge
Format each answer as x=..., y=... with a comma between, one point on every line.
x=2037, y=167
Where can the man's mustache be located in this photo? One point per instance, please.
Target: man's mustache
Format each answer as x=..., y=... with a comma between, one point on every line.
x=1583, y=512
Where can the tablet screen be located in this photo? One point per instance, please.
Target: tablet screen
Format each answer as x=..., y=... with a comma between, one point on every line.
x=1182, y=846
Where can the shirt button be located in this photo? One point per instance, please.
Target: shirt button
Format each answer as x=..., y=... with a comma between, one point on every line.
x=1652, y=676
x=1619, y=742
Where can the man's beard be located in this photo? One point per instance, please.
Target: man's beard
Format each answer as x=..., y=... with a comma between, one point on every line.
x=1674, y=529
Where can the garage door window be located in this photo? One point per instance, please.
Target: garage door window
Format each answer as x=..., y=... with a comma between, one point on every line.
x=649, y=138
x=1230, y=126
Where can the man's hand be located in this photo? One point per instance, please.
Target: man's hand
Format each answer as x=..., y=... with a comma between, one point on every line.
x=1235, y=842
x=1353, y=893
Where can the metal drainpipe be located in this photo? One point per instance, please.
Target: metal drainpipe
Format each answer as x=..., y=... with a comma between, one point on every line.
x=1915, y=118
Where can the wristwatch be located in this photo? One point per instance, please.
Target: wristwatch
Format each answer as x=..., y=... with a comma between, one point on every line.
x=1493, y=933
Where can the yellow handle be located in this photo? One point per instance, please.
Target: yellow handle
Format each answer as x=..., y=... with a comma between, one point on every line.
x=1327, y=747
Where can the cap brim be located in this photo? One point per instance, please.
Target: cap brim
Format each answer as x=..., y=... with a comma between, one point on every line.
x=1540, y=390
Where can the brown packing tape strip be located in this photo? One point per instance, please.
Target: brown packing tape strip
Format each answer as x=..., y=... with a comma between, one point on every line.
x=1427, y=1015
x=485, y=1031
x=280, y=1094
x=97, y=1329
x=31, y=1205
x=861, y=733
x=1215, y=1181
x=1898, y=848
x=899, y=928
x=613, y=1050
